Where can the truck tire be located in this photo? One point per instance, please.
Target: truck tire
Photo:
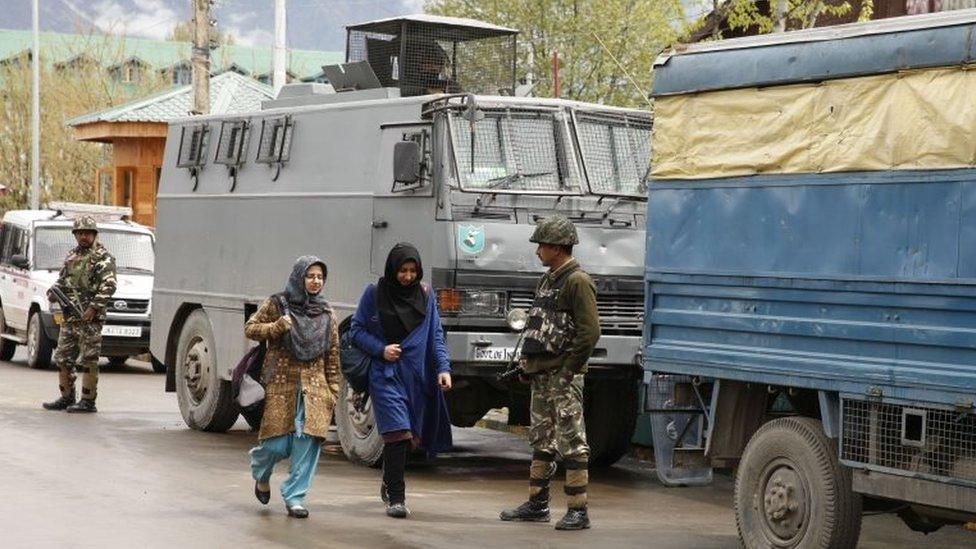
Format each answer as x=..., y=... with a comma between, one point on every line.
x=360, y=440
x=791, y=491
x=611, y=413
x=39, y=347
x=205, y=400
x=7, y=346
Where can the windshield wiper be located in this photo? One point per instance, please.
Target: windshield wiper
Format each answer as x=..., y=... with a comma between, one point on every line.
x=496, y=182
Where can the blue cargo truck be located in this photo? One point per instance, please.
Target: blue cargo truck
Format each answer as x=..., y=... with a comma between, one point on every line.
x=811, y=275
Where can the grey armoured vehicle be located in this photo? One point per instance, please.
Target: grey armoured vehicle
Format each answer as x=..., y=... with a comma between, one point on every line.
x=419, y=139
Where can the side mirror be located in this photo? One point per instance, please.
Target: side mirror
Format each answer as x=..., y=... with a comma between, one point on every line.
x=19, y=261
x=406, y=166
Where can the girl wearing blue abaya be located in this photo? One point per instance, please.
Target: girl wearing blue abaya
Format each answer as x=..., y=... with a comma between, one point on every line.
x=397, y=324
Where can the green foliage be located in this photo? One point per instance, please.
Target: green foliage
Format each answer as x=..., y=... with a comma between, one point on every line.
x=800, y=14
x=632, y=31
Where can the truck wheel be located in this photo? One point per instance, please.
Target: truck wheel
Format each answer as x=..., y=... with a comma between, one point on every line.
x=610, y=414
x=791, y=491
x=39, y=347
x=7, y=346
x=360, y=440
x=206, y=402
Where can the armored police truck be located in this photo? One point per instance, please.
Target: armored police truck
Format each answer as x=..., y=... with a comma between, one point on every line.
x=418, y=138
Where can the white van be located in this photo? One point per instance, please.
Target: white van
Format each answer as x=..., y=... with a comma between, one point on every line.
x=33, y=246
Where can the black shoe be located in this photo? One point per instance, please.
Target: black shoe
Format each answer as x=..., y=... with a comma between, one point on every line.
x=298, y=510
x=263, y=497
x=575, y=519
x=59, y=404
x=84, y=406
x=384, y=495
x=397, y=510
x=530, y=511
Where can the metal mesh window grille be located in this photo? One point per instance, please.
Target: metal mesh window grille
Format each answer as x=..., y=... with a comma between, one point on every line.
x=918, y=440
x=232, y=143
x=421, y=59
x=514, y=151
x=616, y=152
x=275, y=140
x=193, y=145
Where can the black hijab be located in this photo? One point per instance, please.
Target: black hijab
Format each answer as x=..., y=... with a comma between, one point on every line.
x=401, y=308
x=308, y=338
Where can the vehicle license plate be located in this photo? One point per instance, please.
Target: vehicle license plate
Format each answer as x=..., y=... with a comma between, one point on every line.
x=496, y=354
x=122, y=331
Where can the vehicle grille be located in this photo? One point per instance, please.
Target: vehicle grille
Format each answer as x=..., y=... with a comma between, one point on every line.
x=620, y=314
x=917, y=440
x=132, y=306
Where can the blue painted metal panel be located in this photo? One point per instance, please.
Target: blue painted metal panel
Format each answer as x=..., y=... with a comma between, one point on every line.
x=837, y=283
x=815, y=61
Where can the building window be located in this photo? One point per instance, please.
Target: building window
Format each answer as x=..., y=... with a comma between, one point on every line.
x=182, y=75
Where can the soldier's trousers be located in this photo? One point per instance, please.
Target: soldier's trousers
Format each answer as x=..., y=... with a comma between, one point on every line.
x=558, y=428
x=79, y=345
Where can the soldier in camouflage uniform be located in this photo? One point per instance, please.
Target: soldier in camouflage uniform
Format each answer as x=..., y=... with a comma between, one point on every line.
x=88, y=279
x=562, y=329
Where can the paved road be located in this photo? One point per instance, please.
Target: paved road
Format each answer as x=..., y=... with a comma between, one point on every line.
x=133, y=475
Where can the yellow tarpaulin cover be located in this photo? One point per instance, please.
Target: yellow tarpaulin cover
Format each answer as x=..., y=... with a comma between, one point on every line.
x=920, y=119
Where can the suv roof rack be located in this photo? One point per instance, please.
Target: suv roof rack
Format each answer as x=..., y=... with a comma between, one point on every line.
x=98, y=211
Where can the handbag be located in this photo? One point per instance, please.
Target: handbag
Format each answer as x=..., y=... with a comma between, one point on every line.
x=248, y=367
x=353, y=363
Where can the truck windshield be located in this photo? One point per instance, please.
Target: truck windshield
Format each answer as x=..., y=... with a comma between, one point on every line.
x=616, y=150
x=514, y=151
x=133, y=251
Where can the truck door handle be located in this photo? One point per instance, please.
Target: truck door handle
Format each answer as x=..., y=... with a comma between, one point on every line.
x=380, y=224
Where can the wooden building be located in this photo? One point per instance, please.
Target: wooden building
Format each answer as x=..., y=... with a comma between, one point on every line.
x=137, y=131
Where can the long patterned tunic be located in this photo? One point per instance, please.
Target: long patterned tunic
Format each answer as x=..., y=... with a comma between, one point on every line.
x=318, y=379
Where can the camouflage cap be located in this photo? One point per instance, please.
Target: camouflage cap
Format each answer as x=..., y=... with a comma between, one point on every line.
x=556, y=229
x=85, y=223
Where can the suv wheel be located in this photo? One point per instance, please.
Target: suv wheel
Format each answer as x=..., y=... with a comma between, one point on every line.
x=39, y=347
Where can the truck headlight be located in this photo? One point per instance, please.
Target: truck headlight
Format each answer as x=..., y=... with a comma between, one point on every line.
x=452, y=301
x=516, y=319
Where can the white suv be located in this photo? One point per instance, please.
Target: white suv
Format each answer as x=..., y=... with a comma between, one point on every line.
x=33, y=246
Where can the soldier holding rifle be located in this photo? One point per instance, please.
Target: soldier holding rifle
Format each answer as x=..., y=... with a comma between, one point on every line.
x=87, y=282
x=561, y=332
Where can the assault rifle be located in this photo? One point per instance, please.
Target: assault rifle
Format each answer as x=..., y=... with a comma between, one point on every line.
x=69, y=307
x=513, y=369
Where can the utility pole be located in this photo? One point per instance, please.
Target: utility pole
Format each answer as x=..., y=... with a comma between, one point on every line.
x=278, y=60
x=35, y=187
x=201, y=57
x=556, y=88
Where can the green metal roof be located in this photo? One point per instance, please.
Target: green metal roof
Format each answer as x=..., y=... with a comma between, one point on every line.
x=159, y=54
x=230, y=93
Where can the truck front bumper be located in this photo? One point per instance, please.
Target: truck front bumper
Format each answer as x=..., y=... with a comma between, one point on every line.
x=487, y=353
x=111, y=345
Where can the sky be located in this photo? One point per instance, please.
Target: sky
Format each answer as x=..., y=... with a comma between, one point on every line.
x=312, y=24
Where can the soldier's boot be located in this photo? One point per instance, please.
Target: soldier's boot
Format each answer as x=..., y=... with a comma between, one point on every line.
x=574, y=519
x=577, y=478
x=536, y=509
x=61, y=403
x=84, y=406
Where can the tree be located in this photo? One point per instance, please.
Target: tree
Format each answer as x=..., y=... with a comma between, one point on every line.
x=605, y=47
x=68, y=89
x=782, y=15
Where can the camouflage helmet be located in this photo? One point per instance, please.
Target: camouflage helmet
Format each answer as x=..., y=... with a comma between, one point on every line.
x=557, y=230
x=85, y=223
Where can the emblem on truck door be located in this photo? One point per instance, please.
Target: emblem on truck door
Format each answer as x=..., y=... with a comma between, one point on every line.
x=471, y=238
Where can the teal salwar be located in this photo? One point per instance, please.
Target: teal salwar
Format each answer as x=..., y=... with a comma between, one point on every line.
x=304, y=451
